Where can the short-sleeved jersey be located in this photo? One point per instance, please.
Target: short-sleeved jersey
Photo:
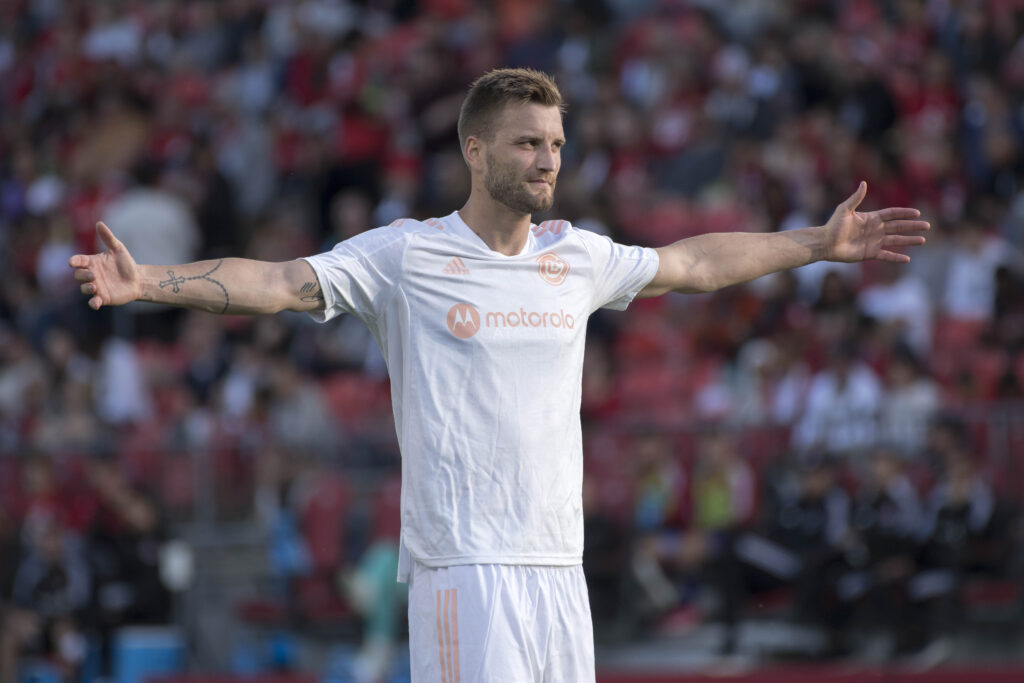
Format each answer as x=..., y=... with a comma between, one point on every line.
x=485, y=354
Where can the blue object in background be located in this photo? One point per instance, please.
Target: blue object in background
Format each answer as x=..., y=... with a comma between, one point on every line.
x=142, y=652
x=38, y=671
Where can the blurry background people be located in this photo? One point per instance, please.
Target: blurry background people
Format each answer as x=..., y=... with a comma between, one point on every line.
x=842, y=405
x=275, y=128
x=880, y=552
x=123, y=545
x=50, y=599
x=797, y=544
x=963, y=534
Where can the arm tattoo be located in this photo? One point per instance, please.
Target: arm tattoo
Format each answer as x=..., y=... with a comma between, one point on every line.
x=175, y=281
x=311, y=292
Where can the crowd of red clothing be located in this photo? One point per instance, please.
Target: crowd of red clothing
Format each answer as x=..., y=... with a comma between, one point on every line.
x=274, y=129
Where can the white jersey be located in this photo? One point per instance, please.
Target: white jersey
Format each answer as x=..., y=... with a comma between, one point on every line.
x=485, y=353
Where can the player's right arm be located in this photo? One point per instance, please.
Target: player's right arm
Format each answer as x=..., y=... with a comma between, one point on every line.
x=231, y=285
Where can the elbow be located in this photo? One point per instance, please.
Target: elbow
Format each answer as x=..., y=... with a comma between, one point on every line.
x=699, y=282
x=692, y=276
x=278, y=306
x=703, y=287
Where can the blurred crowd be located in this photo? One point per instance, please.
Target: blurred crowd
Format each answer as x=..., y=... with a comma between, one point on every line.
x=273, y=129
x=879, y=557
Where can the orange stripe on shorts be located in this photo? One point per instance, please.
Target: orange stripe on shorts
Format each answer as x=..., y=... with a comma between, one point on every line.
x=455, y=635
x=440, y=642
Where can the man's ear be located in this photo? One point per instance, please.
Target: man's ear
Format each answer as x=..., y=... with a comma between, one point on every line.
x=473, y=152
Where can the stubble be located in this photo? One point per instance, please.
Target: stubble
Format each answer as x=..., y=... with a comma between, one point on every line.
x=506, y=187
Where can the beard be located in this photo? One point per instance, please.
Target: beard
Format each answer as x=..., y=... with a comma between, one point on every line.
x=506, y=187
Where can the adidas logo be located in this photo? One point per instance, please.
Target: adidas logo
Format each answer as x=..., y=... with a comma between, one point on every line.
x=456, y=267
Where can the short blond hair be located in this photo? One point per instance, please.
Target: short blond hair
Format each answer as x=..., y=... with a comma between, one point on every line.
x=490, y=93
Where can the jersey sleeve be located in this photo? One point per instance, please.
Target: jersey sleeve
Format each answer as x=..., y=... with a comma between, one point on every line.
x=358, y=275
x=619, y=271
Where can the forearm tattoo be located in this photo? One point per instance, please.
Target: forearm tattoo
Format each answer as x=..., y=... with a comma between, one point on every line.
x=311, y=292
x=175, y=281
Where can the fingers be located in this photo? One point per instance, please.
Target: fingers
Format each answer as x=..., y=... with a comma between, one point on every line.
x=84, y=275
x=893, y=227
x=902, y=241
x=892, y=257
x=107, y=237
x=88, y=288
x=897, y=212
x=95, y=303
x=78, y=261
x=854, y=200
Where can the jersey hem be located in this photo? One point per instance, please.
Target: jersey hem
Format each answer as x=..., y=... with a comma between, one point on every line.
x=538, y=560
x=323, y=281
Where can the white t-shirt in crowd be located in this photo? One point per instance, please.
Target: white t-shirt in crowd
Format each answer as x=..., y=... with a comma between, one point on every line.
x=485, y=354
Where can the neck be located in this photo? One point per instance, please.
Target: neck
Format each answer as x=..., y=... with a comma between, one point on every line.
x=502, y=229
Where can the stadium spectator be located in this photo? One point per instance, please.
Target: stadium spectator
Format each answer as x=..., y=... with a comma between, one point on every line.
x=880, y=551
x=960, y=521
x=49, y=601
x=659, y=484
x=724, y=487
x=970, y=282
x=908, y=406
x=247, y=103
x=370, y=585
x=796, y=544
x=123, y=544
x=722, y=499
x=769, y=384
x=154, y=220
x=900, y=304
x=659, y=510
x=604, y=557
x=842, y=405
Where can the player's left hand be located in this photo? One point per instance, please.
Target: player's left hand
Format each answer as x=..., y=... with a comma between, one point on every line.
x=861, y=236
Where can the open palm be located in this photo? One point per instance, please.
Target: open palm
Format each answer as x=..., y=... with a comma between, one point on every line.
x=861, y=236
x=111, y=278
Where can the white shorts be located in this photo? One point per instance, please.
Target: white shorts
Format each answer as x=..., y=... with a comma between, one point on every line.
x=493, y=623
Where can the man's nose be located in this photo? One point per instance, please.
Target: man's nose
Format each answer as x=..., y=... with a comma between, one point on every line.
x=547, y=158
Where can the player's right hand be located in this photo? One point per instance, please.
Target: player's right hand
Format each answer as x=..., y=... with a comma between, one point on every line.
x=111, y=278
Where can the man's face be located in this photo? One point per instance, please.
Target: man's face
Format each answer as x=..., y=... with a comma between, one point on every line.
x=521, y=163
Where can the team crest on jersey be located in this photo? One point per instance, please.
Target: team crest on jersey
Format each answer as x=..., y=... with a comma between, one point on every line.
x=553, y=268
x=463, y=320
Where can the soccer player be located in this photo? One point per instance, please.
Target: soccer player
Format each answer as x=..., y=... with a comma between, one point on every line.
x=481, y=316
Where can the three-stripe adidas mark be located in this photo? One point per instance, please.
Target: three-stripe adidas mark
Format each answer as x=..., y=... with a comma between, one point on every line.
x=456, y=267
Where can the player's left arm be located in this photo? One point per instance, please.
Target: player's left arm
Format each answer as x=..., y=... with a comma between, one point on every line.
x=709, y=262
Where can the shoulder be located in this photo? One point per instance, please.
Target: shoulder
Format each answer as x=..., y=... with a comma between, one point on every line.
x=412, y=226
x=395, y=235
x=552, y=233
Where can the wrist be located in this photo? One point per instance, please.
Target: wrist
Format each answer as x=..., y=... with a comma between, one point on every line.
x=148, y=284
x=818, y=241
x=823, y=241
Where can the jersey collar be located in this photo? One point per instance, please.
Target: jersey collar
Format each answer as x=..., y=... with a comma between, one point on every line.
x=458, y=226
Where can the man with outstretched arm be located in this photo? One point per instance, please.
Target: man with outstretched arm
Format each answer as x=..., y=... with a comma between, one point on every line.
x=481, y=316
